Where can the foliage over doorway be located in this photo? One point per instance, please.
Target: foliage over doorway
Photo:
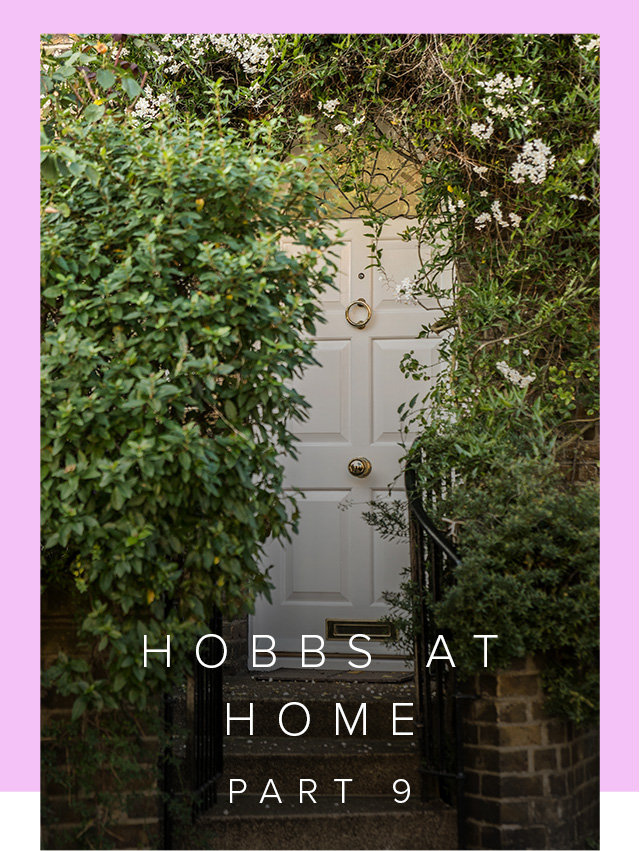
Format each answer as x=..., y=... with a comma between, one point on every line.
x=503, y=130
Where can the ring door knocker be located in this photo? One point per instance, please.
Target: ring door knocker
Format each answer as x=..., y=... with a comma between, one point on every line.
x=359, y=302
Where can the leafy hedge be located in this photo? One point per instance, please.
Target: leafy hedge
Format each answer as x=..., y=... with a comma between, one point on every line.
x=172, y=322
x=529, y=571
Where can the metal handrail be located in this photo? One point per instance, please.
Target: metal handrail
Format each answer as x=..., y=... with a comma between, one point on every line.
x=415, y=503
x=434, y=691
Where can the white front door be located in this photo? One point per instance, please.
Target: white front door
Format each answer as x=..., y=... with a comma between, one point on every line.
x=337, y=567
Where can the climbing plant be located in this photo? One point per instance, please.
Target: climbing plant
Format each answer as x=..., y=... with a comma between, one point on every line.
x=503, y=130
x=503, y=133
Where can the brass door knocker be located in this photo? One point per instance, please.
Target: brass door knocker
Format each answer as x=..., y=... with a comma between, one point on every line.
x=359, y=302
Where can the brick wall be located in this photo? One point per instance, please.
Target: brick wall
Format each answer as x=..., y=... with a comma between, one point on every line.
x=532, y=781
x=128, y=807
x=132, y=818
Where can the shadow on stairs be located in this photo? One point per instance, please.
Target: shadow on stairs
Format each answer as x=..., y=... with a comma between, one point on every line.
x=319, y=790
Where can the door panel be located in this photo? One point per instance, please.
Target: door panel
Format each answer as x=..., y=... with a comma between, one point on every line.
x=329, y=420
x=338, y=567
x=389, y=388
x=317, y=562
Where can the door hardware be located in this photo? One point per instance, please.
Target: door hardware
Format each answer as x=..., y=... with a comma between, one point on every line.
x=359, y=302
x=359, y=467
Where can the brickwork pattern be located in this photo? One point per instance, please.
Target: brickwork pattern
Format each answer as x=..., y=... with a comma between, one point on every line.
x=136, y=822
x=532, y=781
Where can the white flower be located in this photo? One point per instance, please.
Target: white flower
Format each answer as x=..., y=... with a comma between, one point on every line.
x=508, y=97
x=533, y=162
x=406, y=291
x=453, y=206
x=252, y=50
x=526, y=352
x=513, y=375
x=340, y=128
x=496, y=209
x=596, y=138
x=328, y=107
x=581, y=162
x=578, y=197
x=499, y=109
x=482, y=131
x=148, y=105
x=500, y=85
x=484, y=194
x=480, y=169
x=587, y=42
x=357, y=121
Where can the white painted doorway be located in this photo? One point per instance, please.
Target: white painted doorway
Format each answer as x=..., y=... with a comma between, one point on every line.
x=337, y=567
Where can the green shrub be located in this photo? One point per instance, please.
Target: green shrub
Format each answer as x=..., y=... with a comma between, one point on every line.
x=173, y=322
x=528, y=542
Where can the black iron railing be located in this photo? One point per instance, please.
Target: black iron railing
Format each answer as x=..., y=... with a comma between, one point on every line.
x=433, y=563
x=192, y=761
x=206, y=740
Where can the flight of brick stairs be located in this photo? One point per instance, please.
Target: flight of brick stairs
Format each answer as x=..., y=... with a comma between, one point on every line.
x=368, y=819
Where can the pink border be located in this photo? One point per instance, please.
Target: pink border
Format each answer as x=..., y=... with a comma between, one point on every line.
x=618, y=24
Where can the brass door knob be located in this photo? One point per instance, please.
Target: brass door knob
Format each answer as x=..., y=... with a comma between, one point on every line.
x=359, y=467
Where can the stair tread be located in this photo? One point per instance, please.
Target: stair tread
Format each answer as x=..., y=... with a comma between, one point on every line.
x=272, y=746
x=244, y=687
x=248, y=806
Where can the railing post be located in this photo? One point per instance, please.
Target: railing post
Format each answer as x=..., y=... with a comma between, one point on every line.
x=428, y=567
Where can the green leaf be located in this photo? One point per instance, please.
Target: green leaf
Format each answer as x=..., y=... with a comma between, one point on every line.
x=49, y=168
x=119, y=682
x=79, y=707
x=94, y=112
x=117, y=498
x=51, y=541
x=131, y=87
x=106, y=78
x=92, y=174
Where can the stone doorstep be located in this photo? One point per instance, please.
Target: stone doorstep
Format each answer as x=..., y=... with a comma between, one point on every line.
x=369, y=818
x=361, y=823
x=370, y=773
x=270, y=746
x=245, y=686
x=353, y=676
x=248, y=805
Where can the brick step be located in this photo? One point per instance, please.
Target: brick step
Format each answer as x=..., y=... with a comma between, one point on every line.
x=373, y=766
x=369, y=822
